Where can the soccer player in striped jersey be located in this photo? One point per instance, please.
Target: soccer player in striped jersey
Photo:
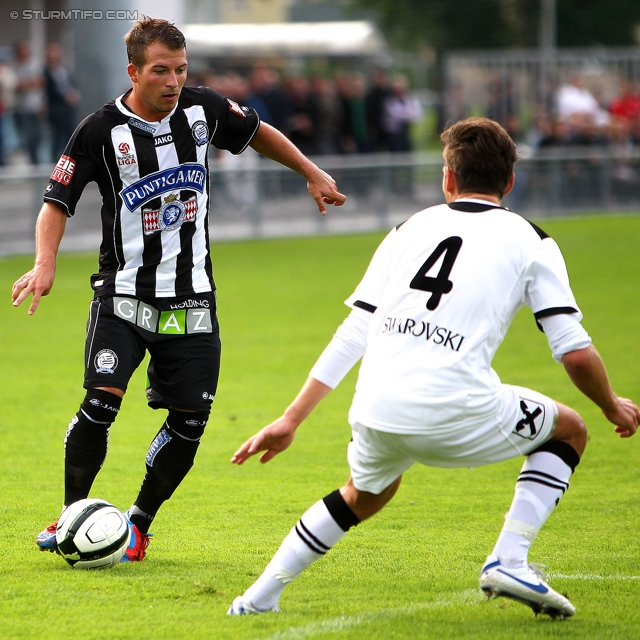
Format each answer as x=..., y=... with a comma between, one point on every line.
x=148, y=151
x=427, y=319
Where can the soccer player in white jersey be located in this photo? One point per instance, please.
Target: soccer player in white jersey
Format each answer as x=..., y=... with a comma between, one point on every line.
x=154, y=290
x=427, y=319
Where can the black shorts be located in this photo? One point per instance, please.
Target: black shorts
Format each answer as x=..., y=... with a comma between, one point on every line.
x=181, y=335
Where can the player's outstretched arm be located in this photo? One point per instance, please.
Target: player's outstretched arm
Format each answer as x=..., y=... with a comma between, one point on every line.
x=277, y=436
x=50, y=226
x=587, y=371
x=269, y=142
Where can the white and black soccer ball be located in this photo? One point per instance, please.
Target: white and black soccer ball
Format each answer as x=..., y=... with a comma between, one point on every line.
x=92, y=534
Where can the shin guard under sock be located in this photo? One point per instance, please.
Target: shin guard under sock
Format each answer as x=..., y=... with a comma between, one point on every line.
x=319, y=529
x=542, y=482
x=86, y=442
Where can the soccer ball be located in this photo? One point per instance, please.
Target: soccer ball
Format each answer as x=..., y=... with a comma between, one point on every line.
x=92, y=534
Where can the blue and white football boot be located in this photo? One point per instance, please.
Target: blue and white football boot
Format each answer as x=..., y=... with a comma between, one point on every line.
x=525, y=584
x=242, y=607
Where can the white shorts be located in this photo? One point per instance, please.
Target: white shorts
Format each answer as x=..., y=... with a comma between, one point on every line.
x=525, y=419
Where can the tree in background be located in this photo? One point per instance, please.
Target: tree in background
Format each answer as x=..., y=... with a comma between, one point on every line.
x=480, y=24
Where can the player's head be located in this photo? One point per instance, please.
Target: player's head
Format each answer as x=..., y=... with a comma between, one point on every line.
x=148, y=31
x=157, y=66
x=481, y=156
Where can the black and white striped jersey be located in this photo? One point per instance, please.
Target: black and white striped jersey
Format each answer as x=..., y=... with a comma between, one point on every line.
x=154, y=182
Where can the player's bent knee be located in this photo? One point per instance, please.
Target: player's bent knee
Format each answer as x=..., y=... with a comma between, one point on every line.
x=87, y=437
x=571, y=429
x=100, y=406
x=189, y=425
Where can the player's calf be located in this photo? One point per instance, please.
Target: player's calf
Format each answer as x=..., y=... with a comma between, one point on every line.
x=86, y=442
x=170, y=457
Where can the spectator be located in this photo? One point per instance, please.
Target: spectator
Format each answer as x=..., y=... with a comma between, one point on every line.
x=583, y=130
x=627, y=104
x=378, y=93
x=303, y=124
x=553, y=134
x=625, y=111
x=29, y=100
x=574, y=98
x=62, y=99
x=330, y=114
x=7, y=99
x=265, y=83
x=354, y=134
x=400, y=111
x=502, y=100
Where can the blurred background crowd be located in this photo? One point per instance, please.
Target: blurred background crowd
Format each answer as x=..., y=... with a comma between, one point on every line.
x=340, y=112
x=342, y=77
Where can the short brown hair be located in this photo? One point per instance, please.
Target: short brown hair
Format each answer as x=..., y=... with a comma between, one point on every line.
x=146, y=32
x=481, y=155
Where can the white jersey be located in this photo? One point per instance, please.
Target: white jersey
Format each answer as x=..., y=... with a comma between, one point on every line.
x=443, y=288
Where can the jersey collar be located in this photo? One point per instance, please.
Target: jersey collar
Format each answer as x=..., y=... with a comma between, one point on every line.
x=474, y=205
x=124, y=109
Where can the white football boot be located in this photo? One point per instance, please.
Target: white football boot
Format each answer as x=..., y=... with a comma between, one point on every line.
x=525, y=584
x=242, y=607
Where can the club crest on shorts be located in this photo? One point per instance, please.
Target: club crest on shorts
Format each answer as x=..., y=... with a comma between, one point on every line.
x=533, y=420
x=106, y=361
x=200, y=132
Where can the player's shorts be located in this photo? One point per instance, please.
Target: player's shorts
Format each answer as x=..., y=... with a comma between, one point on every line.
x=525, y=419
x=181, y=335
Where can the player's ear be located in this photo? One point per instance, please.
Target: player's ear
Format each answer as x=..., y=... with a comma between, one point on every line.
x=510, y=185
x=132, y=70
x=448, y=181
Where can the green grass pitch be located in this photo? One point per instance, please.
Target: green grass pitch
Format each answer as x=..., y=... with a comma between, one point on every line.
x=410, y=572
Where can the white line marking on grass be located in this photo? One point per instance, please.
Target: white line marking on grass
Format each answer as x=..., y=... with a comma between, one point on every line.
x=591, y=576
x=470, y=597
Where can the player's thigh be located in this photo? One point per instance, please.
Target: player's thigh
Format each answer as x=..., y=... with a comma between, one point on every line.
x=113, y=349
x=522, y=420
x=374, y=459
x=183, y=371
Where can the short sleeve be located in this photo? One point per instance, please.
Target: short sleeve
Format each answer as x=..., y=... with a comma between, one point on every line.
x=547, y=289
x=75, y=168
x=368, y=293
x=235, y=125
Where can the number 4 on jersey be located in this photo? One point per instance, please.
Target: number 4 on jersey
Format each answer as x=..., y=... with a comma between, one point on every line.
x=441, y=283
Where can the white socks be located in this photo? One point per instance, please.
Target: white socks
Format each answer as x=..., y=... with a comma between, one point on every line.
x=542, y=482
x=314, y=534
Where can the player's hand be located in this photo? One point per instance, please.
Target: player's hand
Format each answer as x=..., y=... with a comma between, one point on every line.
x=273, y=439
x=38, y=282
x=625, y=415
x=324, y=191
